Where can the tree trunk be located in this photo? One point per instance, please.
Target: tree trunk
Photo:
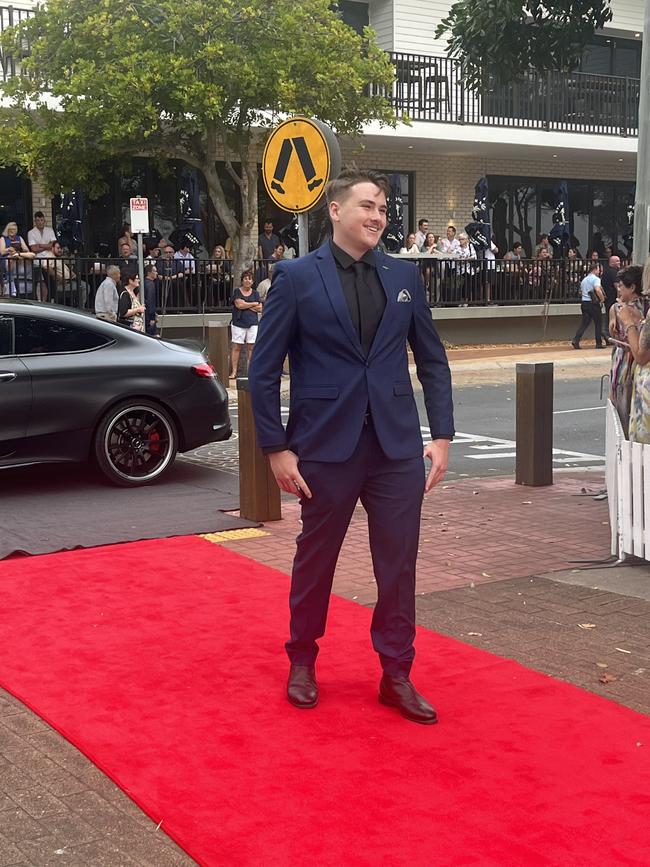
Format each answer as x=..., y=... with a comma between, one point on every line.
x=242, y=235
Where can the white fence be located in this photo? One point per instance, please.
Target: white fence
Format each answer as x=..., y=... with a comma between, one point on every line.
x=627, y=471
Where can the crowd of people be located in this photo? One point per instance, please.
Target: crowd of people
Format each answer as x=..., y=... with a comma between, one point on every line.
x=457, y=271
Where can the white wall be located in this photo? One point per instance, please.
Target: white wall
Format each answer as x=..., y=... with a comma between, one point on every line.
x=415, y=25
x=628, y=15
x=380, y=17
x=410, y=25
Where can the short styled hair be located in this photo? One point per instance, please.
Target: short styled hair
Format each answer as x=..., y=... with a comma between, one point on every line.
x=148, y=268
x=247, y=273
x=339, y=188
x=39, y=214
x=631, y=277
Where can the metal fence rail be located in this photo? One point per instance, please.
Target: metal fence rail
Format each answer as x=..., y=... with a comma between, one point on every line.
x=431, y=88
x=207, y=285
x=182, y=287
x=9, y=17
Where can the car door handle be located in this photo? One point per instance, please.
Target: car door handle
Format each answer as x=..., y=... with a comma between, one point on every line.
x=7, y=376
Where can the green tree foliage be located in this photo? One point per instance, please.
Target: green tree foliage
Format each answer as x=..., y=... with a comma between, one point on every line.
x=504, y=38
x=196, y=81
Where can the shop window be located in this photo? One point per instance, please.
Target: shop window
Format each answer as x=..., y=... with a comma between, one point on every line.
x=15, y=200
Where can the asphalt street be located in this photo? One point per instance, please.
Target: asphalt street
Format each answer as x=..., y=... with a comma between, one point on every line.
x=485, y=421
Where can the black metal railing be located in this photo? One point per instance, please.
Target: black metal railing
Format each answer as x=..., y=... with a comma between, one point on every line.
x=183, y=286
x=206, y=286
x=431, y=88
x=9, y=17
x=507, y=282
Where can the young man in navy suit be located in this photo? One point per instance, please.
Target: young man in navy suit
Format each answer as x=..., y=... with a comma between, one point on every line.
x=344, y=315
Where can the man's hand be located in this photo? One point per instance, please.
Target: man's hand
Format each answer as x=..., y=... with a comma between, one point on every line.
x=438, y=453
x=284, y=466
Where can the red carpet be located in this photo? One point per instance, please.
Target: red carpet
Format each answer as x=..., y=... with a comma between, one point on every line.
x=163, y=662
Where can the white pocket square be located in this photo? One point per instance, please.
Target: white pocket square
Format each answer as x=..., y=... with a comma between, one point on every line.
x=404, y=295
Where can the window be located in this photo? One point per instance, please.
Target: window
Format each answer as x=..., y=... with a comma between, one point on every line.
x=606, y=55
x=6, y=335
x=35, y=336
x=16, y=200
x=354, y=13
x=598, y=212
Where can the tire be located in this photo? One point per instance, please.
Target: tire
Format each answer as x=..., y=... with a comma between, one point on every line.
x=123, y=455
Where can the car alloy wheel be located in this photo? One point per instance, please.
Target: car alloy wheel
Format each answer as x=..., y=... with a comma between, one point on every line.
x=136, y=443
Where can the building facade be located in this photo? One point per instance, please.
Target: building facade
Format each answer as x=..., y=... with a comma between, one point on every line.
x=578, y=127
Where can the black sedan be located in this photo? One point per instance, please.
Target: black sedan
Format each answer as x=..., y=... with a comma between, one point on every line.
x=74, y=388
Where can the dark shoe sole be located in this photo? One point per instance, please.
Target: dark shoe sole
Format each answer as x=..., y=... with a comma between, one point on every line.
x=303, y=705
x=389, y=703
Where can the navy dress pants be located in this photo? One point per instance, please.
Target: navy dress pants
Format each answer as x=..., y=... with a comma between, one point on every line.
x=391, y=492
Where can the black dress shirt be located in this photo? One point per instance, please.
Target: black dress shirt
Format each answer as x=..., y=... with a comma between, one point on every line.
x=364, y=294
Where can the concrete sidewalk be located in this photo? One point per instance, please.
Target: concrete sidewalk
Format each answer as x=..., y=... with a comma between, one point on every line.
x=499, y=568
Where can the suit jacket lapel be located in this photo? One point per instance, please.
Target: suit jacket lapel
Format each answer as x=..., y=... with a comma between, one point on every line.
x=327, y=268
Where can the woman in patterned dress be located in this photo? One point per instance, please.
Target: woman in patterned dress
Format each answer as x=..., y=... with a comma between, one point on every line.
x=628, y=284
x=636, y=331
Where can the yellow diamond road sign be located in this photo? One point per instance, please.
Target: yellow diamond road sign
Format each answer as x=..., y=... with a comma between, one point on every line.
x=299, y=158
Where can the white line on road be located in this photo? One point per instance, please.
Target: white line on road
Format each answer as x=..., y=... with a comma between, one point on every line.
x=492, y=455
x=584, y=409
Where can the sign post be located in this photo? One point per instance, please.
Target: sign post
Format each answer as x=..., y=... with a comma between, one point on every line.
x=139, y=208
x=300, y=157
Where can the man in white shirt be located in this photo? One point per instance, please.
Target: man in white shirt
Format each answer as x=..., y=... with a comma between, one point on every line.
x=421, y=234
x=40, y=239
x=450, y=245
x=106, y=297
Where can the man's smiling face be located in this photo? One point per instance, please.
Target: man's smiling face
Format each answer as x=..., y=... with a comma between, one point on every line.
x=359, y=219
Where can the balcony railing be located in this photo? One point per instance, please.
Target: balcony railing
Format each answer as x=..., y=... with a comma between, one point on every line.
x=9, y=17
x=431, y=89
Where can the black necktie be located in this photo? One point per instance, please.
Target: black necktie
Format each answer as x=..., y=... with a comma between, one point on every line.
x=365, y=306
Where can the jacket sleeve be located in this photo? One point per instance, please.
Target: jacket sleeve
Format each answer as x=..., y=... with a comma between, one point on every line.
x=274, y=337
x=431, y=363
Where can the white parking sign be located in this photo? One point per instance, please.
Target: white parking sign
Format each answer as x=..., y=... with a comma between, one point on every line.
x=139, y=215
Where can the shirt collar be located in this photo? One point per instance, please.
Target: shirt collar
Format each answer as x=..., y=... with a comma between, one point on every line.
x=346, y=261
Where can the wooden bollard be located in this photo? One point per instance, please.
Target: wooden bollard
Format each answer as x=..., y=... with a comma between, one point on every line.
x=219, y=349
x=534, y=434
x=259, y=494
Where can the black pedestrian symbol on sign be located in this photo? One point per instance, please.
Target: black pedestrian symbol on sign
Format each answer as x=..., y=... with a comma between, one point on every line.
x=306, y=164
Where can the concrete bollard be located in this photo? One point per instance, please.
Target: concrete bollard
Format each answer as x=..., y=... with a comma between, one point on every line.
x=534, y=464
x=259, y=494
x=219, y=349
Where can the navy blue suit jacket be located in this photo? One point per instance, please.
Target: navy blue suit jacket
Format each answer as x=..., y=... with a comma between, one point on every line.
x=333, y=383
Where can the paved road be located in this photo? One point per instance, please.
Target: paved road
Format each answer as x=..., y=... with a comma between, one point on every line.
x=485, y=419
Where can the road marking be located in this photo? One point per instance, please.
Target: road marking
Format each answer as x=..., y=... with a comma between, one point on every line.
x=501, y=449
x=584, y=409
x=492, y=455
